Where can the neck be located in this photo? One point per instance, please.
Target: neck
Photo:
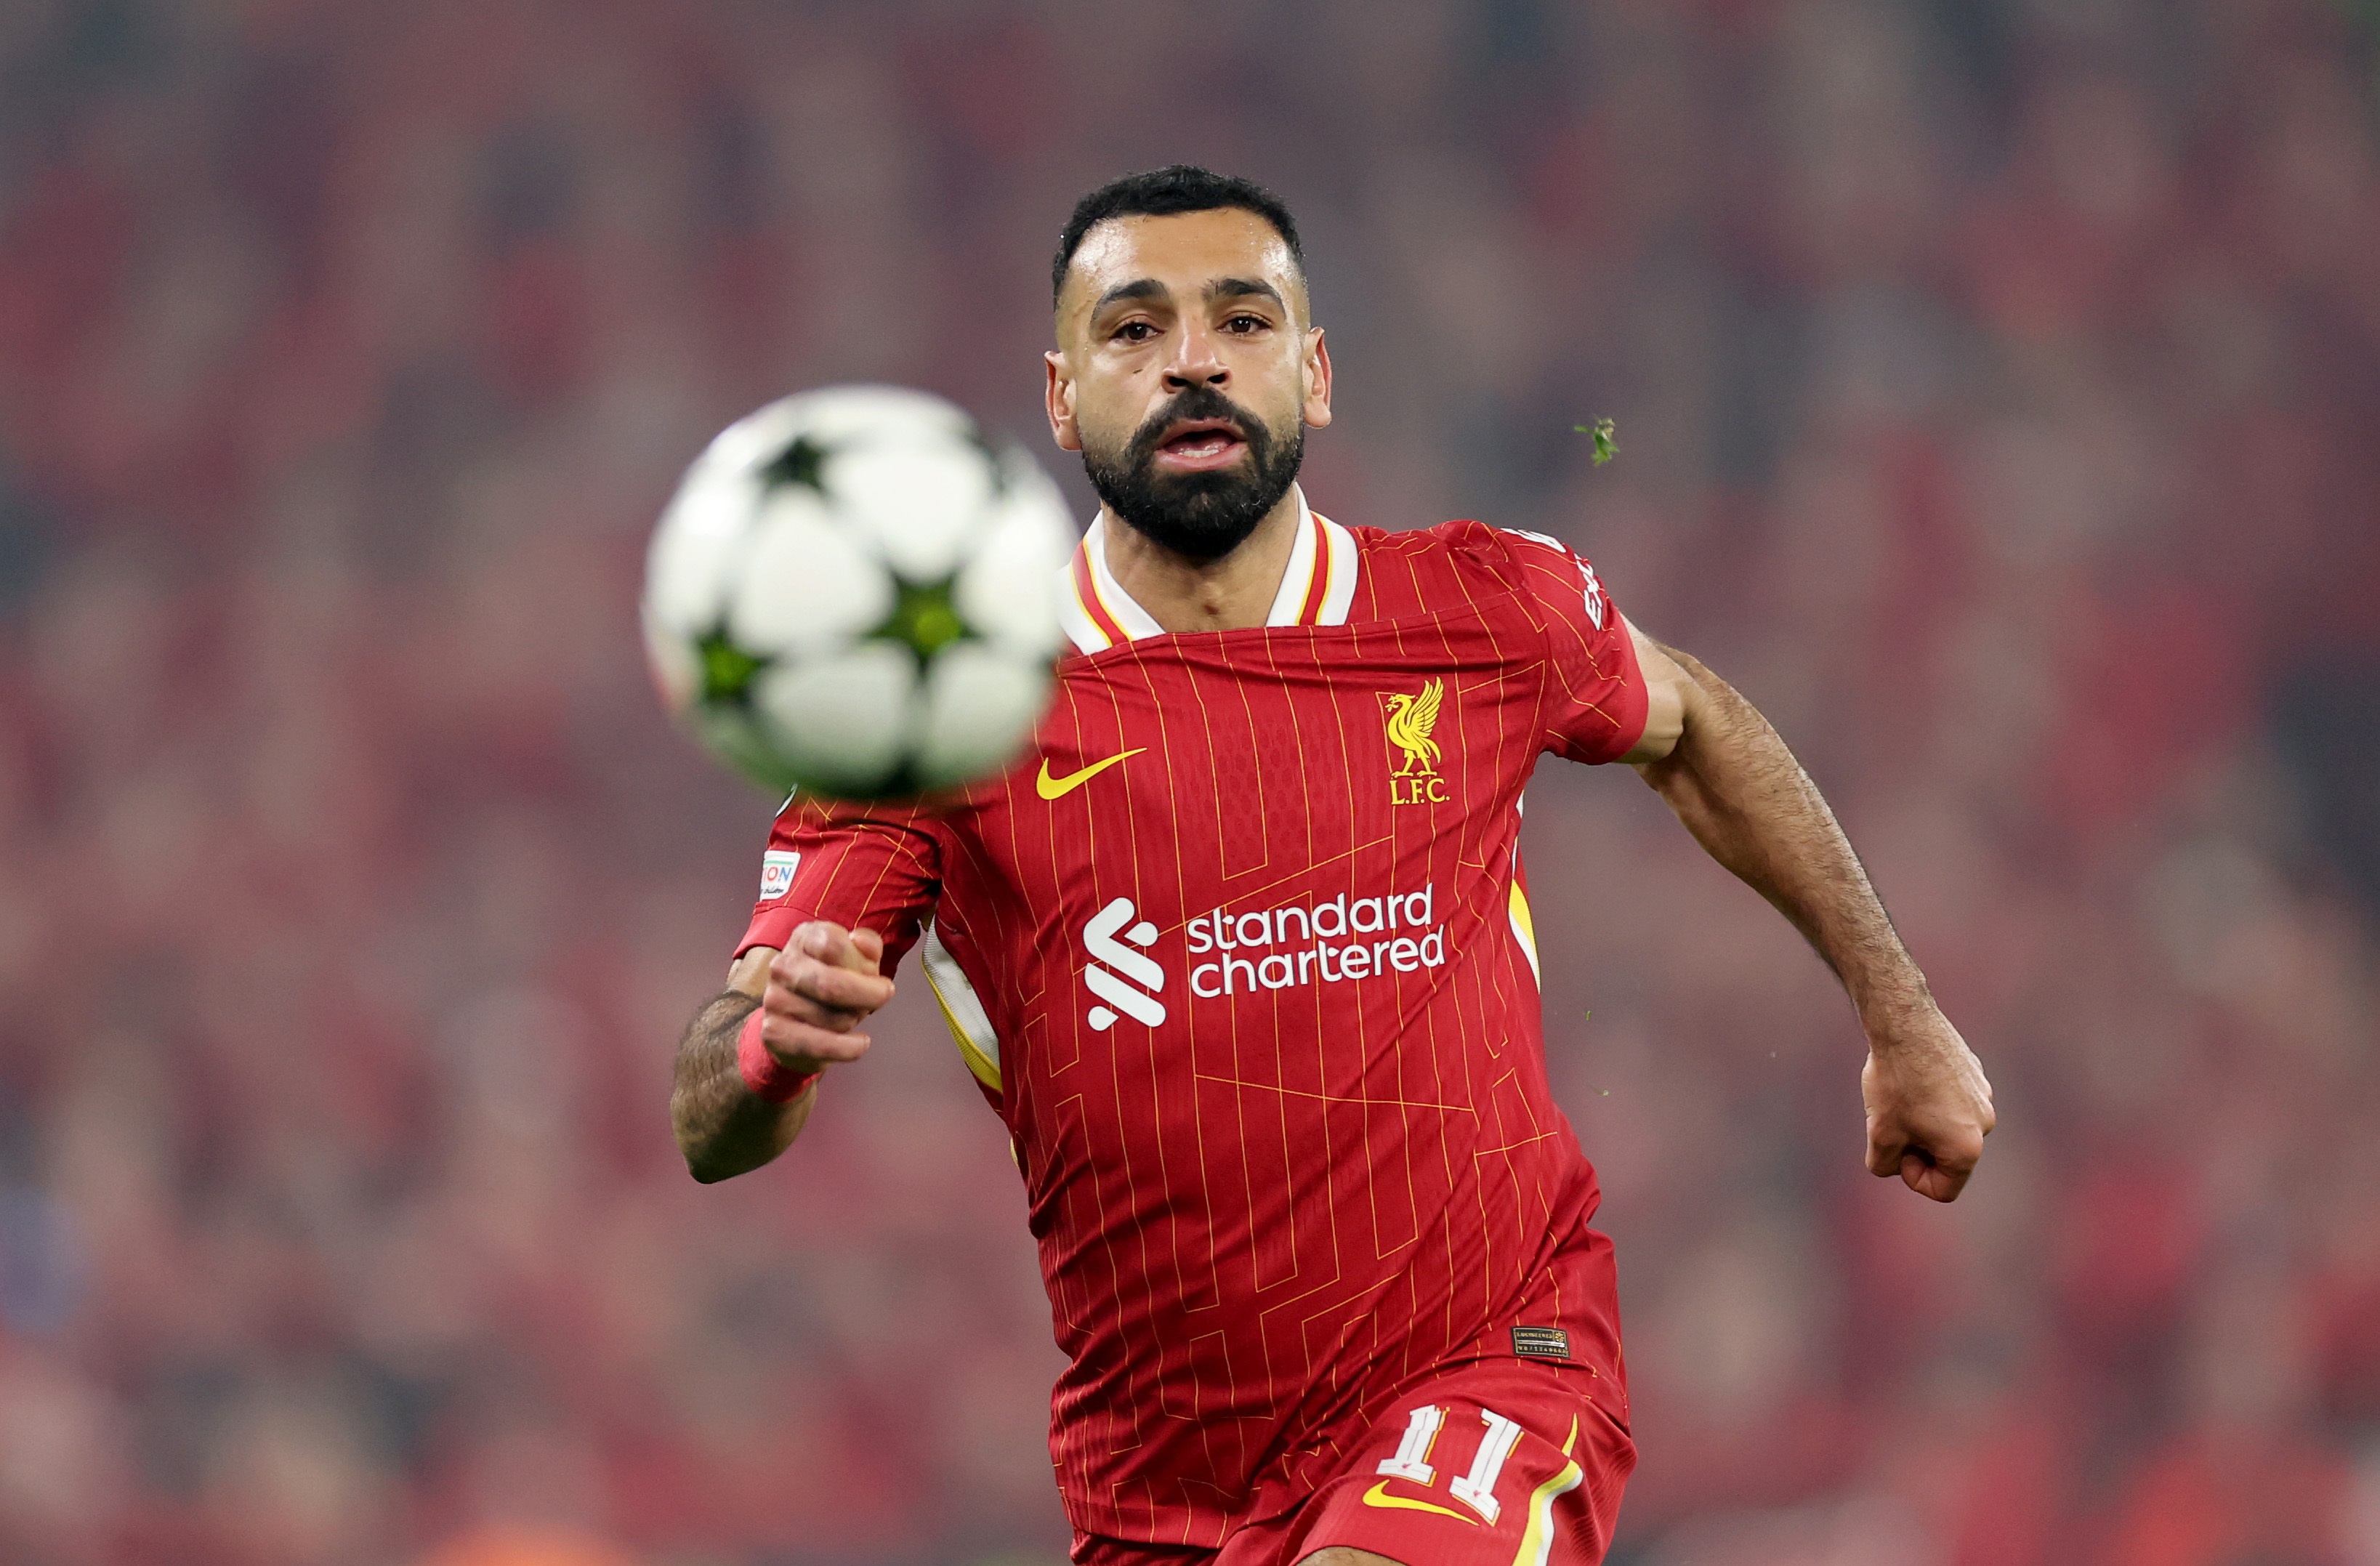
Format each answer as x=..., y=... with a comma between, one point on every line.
x=1230, y=593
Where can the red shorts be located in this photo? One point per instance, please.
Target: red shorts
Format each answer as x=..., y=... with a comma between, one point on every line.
x=1499, y=1462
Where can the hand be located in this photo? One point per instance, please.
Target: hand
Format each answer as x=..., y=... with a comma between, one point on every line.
x=1928, y=1105
x=821, y=986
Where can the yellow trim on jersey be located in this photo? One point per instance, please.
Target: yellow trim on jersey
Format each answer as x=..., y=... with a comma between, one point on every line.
x=1089, y=630
x=1539, y=1541
x=1524, y=930
x=1099, y=589
x=982, y=1055
x=986, y=1071
x=1339, y=596
x=1324, y=553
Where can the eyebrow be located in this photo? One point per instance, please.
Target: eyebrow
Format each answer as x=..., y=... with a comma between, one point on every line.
x=1141, y=288
x=1220, y=288
x=1244, y=288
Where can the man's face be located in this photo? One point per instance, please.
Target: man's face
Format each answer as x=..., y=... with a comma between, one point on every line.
x=1185, y=373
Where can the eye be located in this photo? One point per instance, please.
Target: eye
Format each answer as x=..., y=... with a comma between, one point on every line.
x=1245, y=324
x=1136, y=332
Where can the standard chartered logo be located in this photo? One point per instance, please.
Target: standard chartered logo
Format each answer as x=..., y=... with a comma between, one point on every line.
x=1316, y=943
x=1333, y=943
x=1099, y=936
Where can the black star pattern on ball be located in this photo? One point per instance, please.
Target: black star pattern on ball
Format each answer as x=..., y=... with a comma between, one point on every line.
x=727, y=671
x=924, y=619
x=800, y=464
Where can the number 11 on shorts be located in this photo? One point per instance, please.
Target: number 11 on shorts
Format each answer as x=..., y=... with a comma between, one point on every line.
x=1412, y=1461
x=1475, y=1489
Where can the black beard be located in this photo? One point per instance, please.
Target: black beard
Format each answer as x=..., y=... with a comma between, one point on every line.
x=1197, y=516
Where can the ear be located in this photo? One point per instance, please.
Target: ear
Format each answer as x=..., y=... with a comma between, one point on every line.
x=1317, y=411
x=1059, y=393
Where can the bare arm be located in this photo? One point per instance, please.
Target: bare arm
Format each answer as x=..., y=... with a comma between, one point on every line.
x=1738, y=789
x=816, y=993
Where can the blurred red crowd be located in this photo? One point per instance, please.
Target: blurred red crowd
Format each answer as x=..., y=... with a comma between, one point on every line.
x=1998, y=387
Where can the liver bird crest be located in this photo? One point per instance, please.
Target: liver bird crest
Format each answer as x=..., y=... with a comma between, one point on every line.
x=1410, y=718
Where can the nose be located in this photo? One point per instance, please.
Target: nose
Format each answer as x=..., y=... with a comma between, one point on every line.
x=1198, y=360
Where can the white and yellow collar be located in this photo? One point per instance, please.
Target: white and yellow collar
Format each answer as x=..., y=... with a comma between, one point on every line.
x=1316, y=588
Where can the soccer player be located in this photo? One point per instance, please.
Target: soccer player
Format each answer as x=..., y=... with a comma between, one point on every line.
x=1242, y=955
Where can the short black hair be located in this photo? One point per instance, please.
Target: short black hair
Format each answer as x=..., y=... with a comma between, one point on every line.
x=1161, y=192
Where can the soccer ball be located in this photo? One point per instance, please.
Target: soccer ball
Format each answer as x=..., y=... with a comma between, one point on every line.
x=854, y=592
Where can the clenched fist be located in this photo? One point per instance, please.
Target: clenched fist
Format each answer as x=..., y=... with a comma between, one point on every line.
x=821, y=986
x=1928, y=1105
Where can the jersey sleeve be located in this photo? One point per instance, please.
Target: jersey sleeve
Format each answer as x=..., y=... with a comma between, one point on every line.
x=862, y=869
x=1595, y=700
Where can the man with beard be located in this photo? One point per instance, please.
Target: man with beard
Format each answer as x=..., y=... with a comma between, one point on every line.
x=1242, y=955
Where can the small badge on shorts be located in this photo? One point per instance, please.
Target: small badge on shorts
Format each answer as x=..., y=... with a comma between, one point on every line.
x=1541, y=1343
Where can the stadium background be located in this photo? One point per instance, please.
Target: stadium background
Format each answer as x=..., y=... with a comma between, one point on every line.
x=1999, y=391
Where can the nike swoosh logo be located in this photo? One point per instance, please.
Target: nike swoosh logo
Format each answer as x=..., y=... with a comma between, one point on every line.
x=1378, y=1496
x=1049, y=787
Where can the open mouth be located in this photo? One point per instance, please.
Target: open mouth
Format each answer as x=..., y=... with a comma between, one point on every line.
x=1200, y=442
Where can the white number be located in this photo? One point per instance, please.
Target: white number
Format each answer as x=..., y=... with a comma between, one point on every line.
x=1477, y=1488
x=1412, y=1459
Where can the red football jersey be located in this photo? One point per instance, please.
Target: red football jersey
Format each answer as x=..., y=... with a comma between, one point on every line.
x=1242, y=955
